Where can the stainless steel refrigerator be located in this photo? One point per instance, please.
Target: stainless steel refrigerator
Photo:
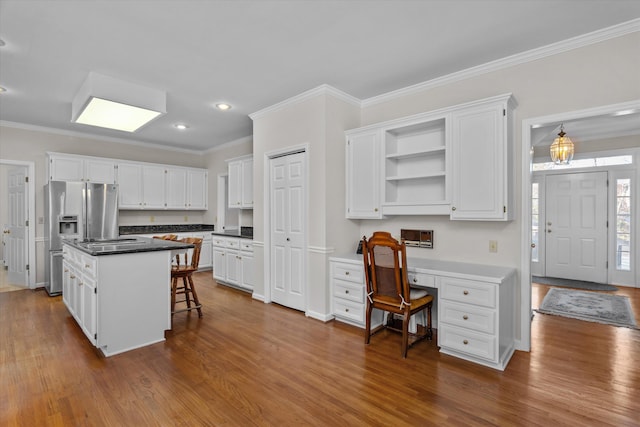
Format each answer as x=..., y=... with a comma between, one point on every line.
x=76, y=210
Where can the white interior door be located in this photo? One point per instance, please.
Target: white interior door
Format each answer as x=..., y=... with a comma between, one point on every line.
x=287, y=213
x=576, y=226
x=17, y=229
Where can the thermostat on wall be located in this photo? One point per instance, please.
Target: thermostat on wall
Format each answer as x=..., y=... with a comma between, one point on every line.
x=417, y=238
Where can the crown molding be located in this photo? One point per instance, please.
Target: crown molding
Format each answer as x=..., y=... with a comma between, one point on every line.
x=229, y=144
x=95, y=137
x=510, y=61
x=324, y=89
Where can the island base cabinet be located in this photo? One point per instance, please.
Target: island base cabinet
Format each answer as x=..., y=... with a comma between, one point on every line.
x=121, y=301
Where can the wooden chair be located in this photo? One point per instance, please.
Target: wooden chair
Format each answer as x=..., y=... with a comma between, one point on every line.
x=183, y=269
x=167, y=237
x=387, y=287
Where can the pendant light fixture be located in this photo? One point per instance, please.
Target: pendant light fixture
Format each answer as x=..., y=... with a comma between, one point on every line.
x=562, y=148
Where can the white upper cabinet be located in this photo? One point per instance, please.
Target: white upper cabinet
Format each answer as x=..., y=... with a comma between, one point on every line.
x=482, y=161
x=457, y=161
x=197, y=189
x=363, y=174
x=241, y=182
x=176, y=183
x=65, y=167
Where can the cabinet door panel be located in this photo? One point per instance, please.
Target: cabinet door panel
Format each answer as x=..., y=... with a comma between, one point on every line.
x=247, y=183
x=363, y=175
x=235, y=184
x=153, y=187
x=129, y=186
x=176, y=188
x=100, y=171
x=66, y=169
x=197, y=190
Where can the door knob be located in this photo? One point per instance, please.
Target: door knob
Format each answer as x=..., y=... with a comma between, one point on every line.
x=288, y=239
x=549, y=230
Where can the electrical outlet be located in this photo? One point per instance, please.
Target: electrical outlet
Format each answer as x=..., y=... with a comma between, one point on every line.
x=186, y=218
x=493, y=246
x=152, y=218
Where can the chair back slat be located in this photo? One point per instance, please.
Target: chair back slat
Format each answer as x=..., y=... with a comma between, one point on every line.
x=386, y=268
x=190, y=259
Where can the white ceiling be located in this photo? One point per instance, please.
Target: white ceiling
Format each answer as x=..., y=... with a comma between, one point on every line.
x=253, y=54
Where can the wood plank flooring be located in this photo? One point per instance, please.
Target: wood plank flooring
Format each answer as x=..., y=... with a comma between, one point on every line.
x=248, y=363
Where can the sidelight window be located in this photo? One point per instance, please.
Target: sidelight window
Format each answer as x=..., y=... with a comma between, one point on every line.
x=623, y=224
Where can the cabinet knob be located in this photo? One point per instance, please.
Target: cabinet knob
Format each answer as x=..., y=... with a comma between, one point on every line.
x=346, y=310
x=87, y=265
x=346, y=292
x=465, y=342
x=72, y=276
x=375, y=210
x=465, y=317
x=415, y=280
x=466, y=292
x=346, y=273
x=66, y=270
x=453, y=208
x=79, y=283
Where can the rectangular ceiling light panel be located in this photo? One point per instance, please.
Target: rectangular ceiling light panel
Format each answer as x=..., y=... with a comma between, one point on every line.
x=110, y=103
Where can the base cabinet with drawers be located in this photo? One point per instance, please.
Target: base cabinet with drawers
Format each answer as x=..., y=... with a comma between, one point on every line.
x=473, y=310
x=233, y=261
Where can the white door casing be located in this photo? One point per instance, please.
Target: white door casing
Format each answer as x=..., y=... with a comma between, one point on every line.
x=17, y=255
x=576, y=226
x=288, y=228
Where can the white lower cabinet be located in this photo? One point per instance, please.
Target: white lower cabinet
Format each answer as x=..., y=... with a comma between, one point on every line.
x=233, y=261
x=103, y=295
x=473, y=309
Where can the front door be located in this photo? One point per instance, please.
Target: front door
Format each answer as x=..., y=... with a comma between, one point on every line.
x=287, y=200
x=576, y=226
x=16, y=252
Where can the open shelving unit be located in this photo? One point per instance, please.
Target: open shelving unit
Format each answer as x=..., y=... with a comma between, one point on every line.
x=415, y=168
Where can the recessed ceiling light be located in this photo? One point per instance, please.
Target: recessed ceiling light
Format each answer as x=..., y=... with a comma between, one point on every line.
x=180, y=126
x=222, y=106
x=624, y=112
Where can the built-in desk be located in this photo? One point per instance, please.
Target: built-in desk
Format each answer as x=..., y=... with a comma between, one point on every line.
x=473, y=310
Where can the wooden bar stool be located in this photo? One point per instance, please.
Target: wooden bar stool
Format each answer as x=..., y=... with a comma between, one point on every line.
x=167, y=237
x=183, y=269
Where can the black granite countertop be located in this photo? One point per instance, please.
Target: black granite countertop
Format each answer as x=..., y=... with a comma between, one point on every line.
x=127, y=245
x=176, y=228
x=243, y=233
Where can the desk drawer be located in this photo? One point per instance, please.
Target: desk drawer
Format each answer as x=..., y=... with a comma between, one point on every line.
x=349, y=310
x=348, y=291
x=349, y=272
x=466, y=316
x=421, y=280
x=468, y=292
x=466, y=341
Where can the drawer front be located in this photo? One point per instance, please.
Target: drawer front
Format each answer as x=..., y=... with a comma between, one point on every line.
x=348, y=291
x=468, y=292
x=89, y=266
x=219, y=241
x=421, y=280
x=349, y=272
x=348, y=310
x=466, y=341
x=467, y=316
x=246, y=245
x=233, y=243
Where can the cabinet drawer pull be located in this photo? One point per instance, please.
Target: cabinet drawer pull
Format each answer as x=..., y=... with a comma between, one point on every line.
x=465, y=342
x=66, y=270
x=346, y=291
x=465, y=317
x=87, y=265
x=415, y=280
x=72, y=276
x=346, y=310
x=465, y=292
x=347, y=273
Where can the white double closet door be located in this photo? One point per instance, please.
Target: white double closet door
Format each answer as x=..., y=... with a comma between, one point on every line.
x=288, y=230
x=576, y=226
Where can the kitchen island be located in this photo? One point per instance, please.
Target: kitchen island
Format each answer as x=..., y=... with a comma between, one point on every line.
x=119, y=290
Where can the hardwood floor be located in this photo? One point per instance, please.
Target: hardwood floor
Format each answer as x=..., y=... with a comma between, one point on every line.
x=249, y=363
